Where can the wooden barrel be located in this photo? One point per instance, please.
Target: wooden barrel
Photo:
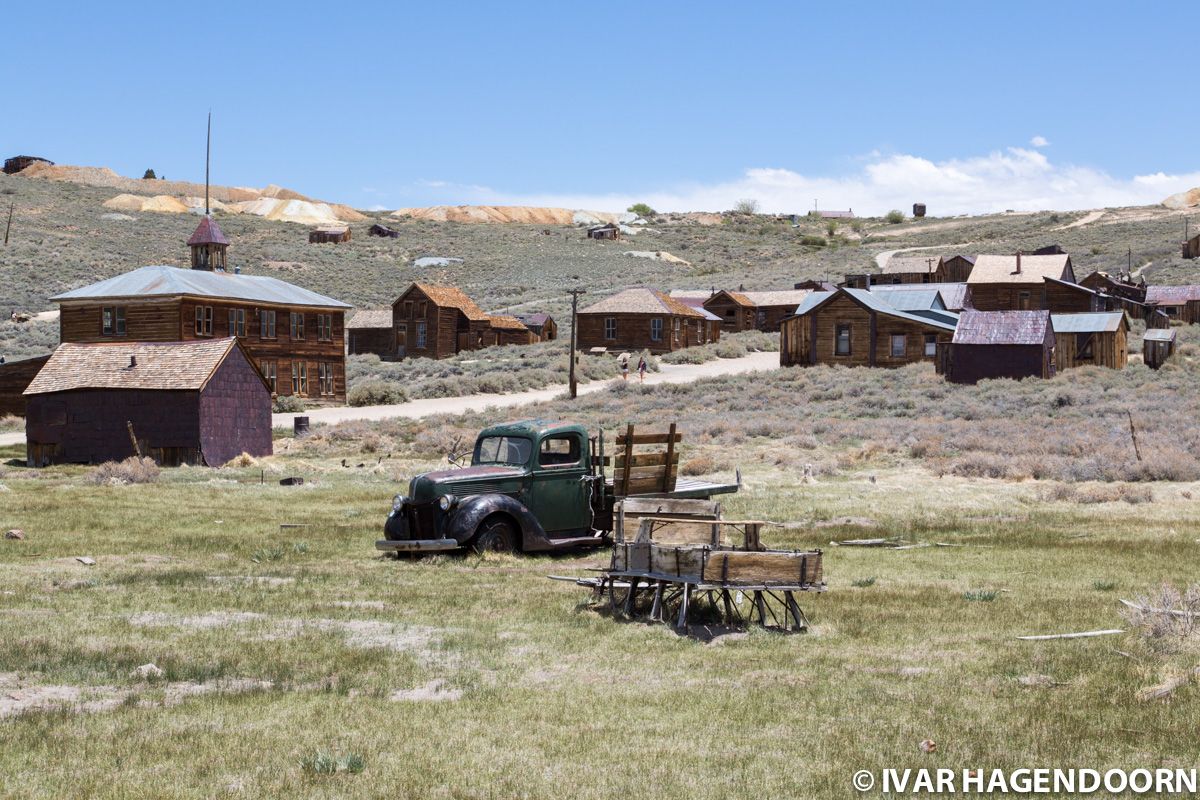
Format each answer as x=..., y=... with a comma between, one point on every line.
x=300, y=425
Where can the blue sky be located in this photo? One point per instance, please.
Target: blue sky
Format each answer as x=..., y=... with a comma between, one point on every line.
x=690, y=106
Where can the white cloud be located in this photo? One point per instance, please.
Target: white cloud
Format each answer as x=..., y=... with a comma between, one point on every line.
x=1040, y=141
x=1017, y=178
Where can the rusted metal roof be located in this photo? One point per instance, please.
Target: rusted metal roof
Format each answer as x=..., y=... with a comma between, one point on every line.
x=1171, y=295
x=132, y=365
x=371, y=318
x=159, y=281
x=1003, y=269
x=207, y=232
x=1002, y=327
x=641, y=301
x=1089, y=322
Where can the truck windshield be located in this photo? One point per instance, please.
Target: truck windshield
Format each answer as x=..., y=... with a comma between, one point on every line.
x=502, y=450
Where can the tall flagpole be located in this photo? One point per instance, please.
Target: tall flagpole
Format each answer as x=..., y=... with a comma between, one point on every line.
x=207, y=156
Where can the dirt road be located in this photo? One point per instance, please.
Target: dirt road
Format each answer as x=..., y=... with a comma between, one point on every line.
x=682, y=373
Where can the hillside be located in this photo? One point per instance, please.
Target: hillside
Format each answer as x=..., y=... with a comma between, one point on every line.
x=63, y=237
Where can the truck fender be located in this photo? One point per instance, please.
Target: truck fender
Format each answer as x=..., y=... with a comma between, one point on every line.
x=473, y=510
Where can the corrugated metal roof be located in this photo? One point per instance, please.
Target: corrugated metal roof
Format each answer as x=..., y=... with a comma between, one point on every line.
x=1171, y=295
x=371, y=318
x=159, y=365
x=813, y=300
x=881, y=306
x=1002, y=327
x=925, y=299
x=207, y=232
x=698, y=304
x=1089, y=322
x=534, y=320
x=641, y=301
x=161, y=281
x=1160, y=335
x=1003, y=269
x=954, y=295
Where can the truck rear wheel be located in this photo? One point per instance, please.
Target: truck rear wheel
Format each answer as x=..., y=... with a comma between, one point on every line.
x=496, y=536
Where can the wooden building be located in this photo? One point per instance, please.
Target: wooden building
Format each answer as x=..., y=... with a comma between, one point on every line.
x=711, y=330
x=1117, y=286
x=1158, y=345
x=208, y=246
x=383, y=231
x=857, y=328
x=504, y=330
x=330, y=235
x=541, y=324
x=370, y=331
x=1017, y=283
x=17, y=163
x=761, y=311
x=1049, y=250
x=293, y=335
x=15, y=377
x=200, y=402
x=1180, y=303
x=1191, y=248
x=1098, y=339
x=431, y=321
x=955, y=269
x=606, y=231
x=1000, y=344
x=910, y=269
x=815, y=285
x=642, y=319
x=954, y=296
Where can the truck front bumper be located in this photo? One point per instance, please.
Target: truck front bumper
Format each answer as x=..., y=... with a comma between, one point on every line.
x=416, y=545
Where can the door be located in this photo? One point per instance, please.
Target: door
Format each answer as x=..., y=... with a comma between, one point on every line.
x=559, y=497
x=401, y=341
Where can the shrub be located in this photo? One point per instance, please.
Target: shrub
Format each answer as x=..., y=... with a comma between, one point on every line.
x=812, y=241
x=700, y=465
x=746, y=206
x=10, y=422
x=287, y=404
x=131, y=470
x=376, y=393
x=894, y=217
x=642, y=210
x=831, y=228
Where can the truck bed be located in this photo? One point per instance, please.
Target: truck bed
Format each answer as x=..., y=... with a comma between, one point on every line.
x=689, y=488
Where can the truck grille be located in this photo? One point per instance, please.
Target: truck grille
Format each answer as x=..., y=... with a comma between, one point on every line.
x=422, y=520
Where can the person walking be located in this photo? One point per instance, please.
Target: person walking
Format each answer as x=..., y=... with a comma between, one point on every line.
x=642, y=369
x=624, y=368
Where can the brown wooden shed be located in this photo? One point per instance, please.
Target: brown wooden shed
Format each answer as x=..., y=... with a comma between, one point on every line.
x=606, y=231
x=857, y=328
x=176, y=402
x=370, y=331
x=543, y=325
x=332, y=235
x=955, y=269
x=1178, y=302
x=641, y=319
x=504, y=330
x=1000, y=344
x=15, y=377
x=1017, y=283
x=1098, y=339
x=910, y=269
x=1158, y=345
x=17, y=163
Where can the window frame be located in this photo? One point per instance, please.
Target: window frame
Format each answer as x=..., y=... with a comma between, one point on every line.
x=408, y=309
x=270, y=372
x=656, y=329
x=574, y=449
x=324, y=327
x=112, y=321
x=325, y=378
x=930, y=345
x=300, y=378
x=237, y=322
x=204, y=321
x=903, y=339
x=267, y=330
x=837, y=339
x=610, y=329
x=296, y=320
x=422, y=334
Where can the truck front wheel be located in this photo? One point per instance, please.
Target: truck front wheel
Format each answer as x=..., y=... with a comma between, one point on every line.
x=496, y=536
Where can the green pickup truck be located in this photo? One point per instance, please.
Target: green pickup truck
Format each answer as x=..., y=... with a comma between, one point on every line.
x=531, y=486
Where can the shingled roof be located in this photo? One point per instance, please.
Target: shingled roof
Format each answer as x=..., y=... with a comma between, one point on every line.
x=905, y=264
x=450, y=297
x=160, y=281
x=641, y=301
x=371, y=318
x=1002, y=327
x=507, y=323
x=1171, y=295
x=207, y=232
x=784, y=297
x=1003, y=269
x=178, y=366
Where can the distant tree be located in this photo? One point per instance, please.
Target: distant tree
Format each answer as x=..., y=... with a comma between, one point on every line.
x=746, y=206
x=642, y=210
x=895, y=216
x=149, y=176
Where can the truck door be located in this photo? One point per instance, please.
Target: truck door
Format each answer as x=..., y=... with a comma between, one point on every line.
x=559, y=497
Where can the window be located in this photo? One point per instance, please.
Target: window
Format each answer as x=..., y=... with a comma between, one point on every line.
x=842, y=343
x=237, y=322
x=899, y=345
x=931, y=344
x=325, y=327
x=204, y=321
x=502, y=450
x=656, y=329
x=610, y=327
x=113, y=321
x=422, y=335
x=1023, y=301
x=676, y=331
x=267, y=324
x=408, y=309
x=297, y=325
x=299, y=378
x=270, y=371
x=559, y=451
x=421, y=310
x=325, y=378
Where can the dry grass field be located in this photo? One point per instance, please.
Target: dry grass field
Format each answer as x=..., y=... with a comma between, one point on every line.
x=298, y=662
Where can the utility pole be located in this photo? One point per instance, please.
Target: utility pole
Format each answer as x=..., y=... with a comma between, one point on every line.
x=574, y=339
x=8, y=226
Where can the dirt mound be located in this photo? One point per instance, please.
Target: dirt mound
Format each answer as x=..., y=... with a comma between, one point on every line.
x=305, y=212
x=104, y=177
x=525, y=215
x=1188, y=199
x=160, y=203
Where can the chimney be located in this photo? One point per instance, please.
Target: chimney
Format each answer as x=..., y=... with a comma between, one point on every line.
x=1018, y=262
x=132, y=361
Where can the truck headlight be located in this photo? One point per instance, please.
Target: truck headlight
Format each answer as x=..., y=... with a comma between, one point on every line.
x=398, y=502
x=447, y=502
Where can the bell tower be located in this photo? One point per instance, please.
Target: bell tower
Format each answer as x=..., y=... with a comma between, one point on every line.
x=208, y=243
